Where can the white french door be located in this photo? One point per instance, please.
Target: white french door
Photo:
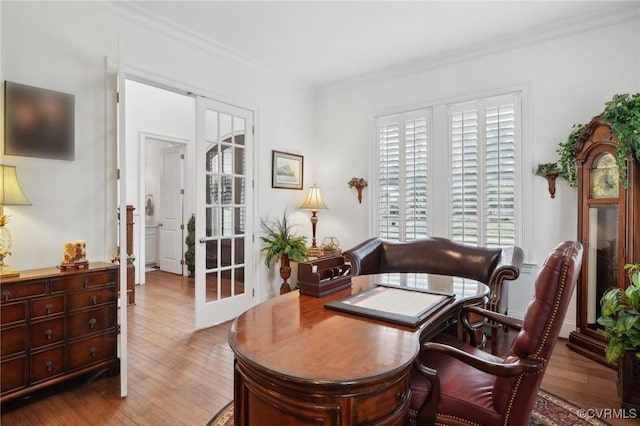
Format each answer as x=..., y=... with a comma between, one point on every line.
x=224, y=194
x=121, y=160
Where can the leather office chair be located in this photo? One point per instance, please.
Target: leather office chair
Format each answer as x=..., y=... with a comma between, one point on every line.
x=454, y=383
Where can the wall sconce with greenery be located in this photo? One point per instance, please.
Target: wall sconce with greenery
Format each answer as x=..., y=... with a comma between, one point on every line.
x=622, y=113
x=550, y=171
x=358, y=184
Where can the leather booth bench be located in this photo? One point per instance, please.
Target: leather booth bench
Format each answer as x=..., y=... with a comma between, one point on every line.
x=437, y=255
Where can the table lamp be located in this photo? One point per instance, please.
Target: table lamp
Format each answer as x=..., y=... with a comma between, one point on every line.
x=10, y=195
x=314, y=203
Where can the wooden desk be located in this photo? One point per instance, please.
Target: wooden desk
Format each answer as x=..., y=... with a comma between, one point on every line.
x=298, y=363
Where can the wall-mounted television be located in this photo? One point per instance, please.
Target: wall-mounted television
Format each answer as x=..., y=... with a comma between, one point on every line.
x=38, y=122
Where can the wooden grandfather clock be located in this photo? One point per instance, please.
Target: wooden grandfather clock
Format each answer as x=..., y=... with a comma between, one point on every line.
x=608, y=228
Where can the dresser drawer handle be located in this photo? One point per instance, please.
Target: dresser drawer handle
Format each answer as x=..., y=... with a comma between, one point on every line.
x=92, y=351
x=402, y=396
x=85, y=282
x=48, y=332
x=49, y=365
x=92, y=322
x=48, y=308
x=94, y=299
x=5, y=295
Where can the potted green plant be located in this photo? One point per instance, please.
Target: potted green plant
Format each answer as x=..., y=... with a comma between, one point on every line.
x=620, y=317
x=190, y=241
x=281, y=243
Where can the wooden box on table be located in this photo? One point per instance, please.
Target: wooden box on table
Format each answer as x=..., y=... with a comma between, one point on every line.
x=323, y=276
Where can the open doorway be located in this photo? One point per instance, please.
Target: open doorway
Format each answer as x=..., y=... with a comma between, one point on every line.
x=163, y=205
x=160, y=139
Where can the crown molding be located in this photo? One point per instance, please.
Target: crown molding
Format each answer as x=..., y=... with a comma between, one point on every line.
x=621, y=13
x=616, y=15
x=134, y=13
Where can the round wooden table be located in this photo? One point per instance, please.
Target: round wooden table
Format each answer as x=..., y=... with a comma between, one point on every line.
x=297, y=362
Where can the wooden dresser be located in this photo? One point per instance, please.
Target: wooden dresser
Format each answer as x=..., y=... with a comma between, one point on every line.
x=56, y=325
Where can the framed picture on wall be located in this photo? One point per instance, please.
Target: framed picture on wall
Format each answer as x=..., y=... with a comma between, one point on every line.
x=38, y=122
x=286, y=170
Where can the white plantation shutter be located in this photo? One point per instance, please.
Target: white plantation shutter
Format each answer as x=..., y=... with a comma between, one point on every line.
x=402, y=181
x=499, y=201
x=483, y=136
x=389, y=180
x=464, y=175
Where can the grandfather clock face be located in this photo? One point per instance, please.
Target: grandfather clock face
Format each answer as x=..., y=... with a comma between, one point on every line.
x=604, y=177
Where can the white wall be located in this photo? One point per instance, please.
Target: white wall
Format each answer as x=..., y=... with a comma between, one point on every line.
x=64, y=46
x=566, y=80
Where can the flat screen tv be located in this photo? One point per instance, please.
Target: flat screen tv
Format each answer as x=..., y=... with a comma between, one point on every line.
x=38, y=122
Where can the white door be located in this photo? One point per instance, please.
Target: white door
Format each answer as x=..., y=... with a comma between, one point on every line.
x=224, y=199
x=169, y=225
x=122, y=225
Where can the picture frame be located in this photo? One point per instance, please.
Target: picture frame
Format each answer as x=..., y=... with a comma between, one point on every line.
x=38, y=122
x=287, y=170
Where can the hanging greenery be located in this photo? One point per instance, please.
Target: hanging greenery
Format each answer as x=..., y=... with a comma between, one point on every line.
x=622, y=112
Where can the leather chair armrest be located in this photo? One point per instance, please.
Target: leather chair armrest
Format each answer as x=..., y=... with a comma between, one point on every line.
x=495, y=368
x=509, y=264
x=365, y=258
x=508, y=268
x=512, y=323
x=493, y=318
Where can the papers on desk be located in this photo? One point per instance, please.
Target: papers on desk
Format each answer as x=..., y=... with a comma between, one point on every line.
x=394, y=304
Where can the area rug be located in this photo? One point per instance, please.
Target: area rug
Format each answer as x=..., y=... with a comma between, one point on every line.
x=549, y=410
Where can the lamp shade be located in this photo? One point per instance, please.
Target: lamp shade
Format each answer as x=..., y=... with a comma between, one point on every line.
x=10, y=192
x=313, y=201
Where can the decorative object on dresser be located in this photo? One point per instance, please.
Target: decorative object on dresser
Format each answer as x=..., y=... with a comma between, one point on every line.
x=608, y=226
x=74, y=255
x=281, y=243
x=10, y=195
x=323, y=276
x=313, y=202
x=359, y=184
x=56, y=325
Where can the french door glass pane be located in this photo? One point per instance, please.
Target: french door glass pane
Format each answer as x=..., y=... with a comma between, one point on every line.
x=225, y=209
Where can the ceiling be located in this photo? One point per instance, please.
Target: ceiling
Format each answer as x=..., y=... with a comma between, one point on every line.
x=320, y=42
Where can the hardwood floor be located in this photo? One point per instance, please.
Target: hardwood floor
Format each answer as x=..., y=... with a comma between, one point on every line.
x=181, y=377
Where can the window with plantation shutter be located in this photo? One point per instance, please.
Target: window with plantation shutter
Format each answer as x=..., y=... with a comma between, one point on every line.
x=483, y=139
x=474, y=192
x=403, y=210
